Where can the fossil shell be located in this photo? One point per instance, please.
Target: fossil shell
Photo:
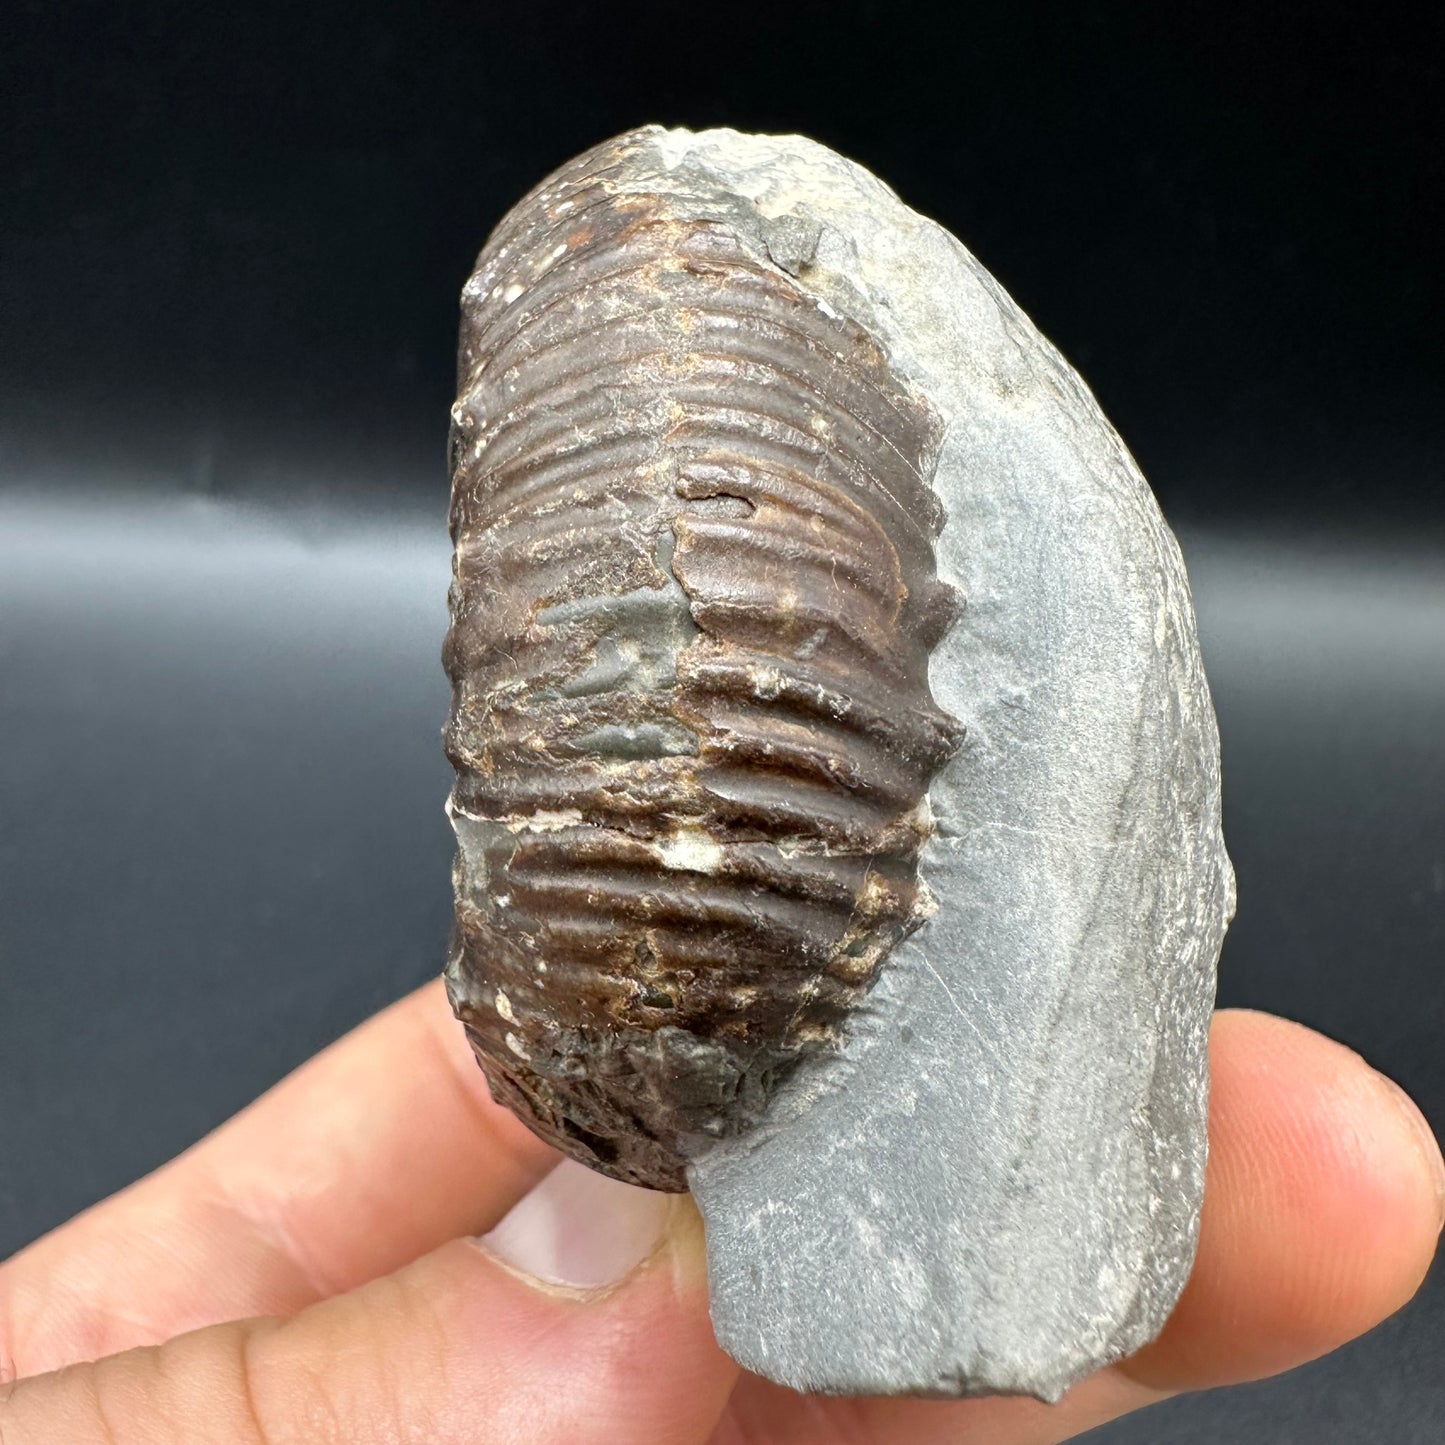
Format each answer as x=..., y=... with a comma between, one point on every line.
x=693, y=608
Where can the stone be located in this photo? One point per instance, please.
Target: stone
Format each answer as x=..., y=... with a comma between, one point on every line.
x=978, y=1167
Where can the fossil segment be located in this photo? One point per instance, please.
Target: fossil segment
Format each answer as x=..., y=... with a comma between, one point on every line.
x=693, y=607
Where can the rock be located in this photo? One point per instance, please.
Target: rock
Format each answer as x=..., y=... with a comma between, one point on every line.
x=989, y=1179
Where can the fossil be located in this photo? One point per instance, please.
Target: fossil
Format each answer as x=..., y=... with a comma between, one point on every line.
x=693, y=734
x=836, y=781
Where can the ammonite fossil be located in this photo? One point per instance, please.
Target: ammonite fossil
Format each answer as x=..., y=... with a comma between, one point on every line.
x=695, y=602
x=837, y=790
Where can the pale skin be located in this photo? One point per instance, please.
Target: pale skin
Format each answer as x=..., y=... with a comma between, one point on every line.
x=307, y=1273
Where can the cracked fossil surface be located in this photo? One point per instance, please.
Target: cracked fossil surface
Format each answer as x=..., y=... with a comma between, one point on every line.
x=837, y=794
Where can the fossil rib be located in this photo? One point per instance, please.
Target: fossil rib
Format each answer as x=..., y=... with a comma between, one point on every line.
x=920, y=1019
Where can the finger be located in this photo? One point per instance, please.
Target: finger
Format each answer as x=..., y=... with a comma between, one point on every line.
x=380, y=1148
x=1324, y=1205
x=458, y=1347
x=1322, y=1209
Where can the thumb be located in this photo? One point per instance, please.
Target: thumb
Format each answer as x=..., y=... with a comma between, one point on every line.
x=581, y=1318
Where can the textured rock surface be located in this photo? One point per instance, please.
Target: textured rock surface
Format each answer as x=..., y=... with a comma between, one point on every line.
x=980, y=1169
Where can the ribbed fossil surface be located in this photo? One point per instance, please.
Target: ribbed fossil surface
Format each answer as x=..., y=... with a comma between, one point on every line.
x=693, y=608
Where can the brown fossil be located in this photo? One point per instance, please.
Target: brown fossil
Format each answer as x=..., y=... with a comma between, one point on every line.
x=693, y=606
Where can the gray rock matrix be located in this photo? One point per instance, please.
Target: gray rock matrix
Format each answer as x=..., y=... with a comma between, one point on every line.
x=994, y=1185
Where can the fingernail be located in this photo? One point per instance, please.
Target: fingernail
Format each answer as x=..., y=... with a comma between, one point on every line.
x=580, y=1229
x=1425, y=1141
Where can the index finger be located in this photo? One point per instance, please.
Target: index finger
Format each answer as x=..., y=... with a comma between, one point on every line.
x=382, y=1147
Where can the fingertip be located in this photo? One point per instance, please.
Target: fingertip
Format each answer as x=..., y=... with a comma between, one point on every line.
x=580, y=1230
x=1418, y=1131
x=1321, y=1214
x=629, y=1357
x=467, y=1344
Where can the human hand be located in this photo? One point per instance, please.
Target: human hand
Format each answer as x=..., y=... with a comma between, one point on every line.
x=308, y=1273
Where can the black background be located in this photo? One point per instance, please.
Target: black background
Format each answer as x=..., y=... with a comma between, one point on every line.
x=230, y=246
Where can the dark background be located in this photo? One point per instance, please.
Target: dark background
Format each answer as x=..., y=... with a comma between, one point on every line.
x=230, y=247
